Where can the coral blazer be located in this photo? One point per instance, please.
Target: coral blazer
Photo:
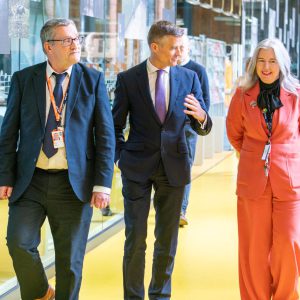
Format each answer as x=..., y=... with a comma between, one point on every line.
x=247, y=132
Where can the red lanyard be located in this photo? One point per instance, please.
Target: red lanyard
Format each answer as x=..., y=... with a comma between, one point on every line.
x=57, y=111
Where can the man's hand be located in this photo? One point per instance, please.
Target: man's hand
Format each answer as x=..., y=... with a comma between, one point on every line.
x=5, y=192
x=194, y=108
x=100, y=200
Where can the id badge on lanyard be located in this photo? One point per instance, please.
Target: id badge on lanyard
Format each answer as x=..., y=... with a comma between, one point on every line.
x=267, y=149
x=58, y=133
x=58, y=138
x=266, y=152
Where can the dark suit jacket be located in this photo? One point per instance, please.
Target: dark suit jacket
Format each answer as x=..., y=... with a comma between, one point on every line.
x=149, y=140
x=202, y=75
x=89, y=134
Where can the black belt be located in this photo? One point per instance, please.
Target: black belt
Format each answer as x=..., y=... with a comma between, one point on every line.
x=51, y=171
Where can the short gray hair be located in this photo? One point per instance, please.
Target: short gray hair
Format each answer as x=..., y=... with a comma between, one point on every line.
x=161, y=28
x=287, y=80
x=47, y=30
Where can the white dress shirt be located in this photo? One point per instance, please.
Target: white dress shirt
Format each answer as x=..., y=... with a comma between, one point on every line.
x=59, y=160
x=152, y=75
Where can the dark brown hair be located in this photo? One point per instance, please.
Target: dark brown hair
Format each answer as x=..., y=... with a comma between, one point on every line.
x=161, y=28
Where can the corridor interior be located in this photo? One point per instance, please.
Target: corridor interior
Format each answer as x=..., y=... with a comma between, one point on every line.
x=206, y=261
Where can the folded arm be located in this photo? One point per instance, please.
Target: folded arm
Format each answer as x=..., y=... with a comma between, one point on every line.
x=196, y=110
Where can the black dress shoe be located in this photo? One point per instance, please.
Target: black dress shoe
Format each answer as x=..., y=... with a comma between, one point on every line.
x=106, y=211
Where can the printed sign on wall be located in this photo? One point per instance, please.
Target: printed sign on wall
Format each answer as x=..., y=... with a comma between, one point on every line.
x=5, y=42
x=18, y=20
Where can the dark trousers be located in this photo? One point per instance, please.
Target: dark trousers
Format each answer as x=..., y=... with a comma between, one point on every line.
x=48, y=195
x=167, y=203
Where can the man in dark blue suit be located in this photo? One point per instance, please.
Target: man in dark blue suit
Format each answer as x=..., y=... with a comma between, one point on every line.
x=161, y=99
x=191, y=135
x=56, y=149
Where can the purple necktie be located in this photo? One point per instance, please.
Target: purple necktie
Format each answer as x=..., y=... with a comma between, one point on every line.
x=160, y=97
x=48, y=147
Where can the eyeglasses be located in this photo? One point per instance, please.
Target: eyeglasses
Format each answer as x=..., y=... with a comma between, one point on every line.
x=69, y=41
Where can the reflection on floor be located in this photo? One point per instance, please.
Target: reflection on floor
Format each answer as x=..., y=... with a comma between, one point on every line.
x=5, y=276
x=206, y=262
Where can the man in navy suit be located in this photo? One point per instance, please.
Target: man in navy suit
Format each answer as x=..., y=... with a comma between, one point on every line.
x=161, y=99
x=56, y=149
x=191, y=135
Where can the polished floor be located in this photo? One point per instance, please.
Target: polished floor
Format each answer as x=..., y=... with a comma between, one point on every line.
x=206, y=261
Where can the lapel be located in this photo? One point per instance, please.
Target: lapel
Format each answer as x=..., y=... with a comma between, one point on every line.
x=254, y=111
x=284, y=113
x=143, y=85
x=174, y=77
x=74, y=85
x=39, y=85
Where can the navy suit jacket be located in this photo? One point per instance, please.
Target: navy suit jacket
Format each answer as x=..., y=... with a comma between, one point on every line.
x=149, y=140
x=202, y=75
x=89, y=134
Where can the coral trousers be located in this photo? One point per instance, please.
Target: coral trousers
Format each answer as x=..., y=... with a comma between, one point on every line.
x=269, y=247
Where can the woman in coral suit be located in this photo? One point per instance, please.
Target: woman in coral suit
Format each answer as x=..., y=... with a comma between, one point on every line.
x=263, y=126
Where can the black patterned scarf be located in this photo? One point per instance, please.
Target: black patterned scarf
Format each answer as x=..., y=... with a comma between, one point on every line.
x=268, y=98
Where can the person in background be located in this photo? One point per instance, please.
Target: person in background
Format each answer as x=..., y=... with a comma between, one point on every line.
x=161, y=99
x=56, y=152
x=93, y=46
x=191, y=135
x=263, y=126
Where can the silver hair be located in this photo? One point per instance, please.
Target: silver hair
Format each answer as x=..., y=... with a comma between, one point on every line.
x=287, y=80
x=48, y=29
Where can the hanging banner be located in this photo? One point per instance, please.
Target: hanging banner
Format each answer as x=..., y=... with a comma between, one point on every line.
x=121, y=37
x=5, y=42
x=136, y=22
x=262, y=16
x=267, y=5
x=277, y=12
x=18, y=20
x=293, y=27
x=254, y=34
x=272, y=23
x=92, y=8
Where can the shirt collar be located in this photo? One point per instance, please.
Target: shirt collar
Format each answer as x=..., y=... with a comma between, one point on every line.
x=49, y=70
x=151, y=68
